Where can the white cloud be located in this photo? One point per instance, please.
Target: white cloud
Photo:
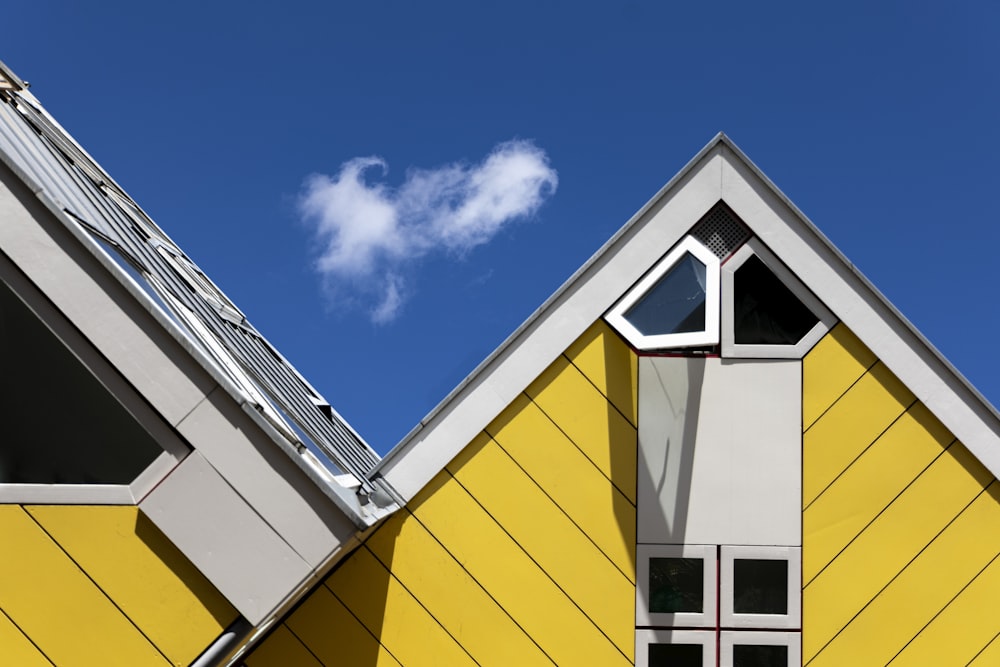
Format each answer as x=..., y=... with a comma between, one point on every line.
x=370, y=233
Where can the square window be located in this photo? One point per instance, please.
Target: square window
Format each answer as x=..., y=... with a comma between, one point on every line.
x=760, y=649
x=760, y=587
x=675, y=648
x=676, y=585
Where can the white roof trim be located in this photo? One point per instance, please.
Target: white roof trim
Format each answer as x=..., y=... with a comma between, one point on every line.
x=719, y=171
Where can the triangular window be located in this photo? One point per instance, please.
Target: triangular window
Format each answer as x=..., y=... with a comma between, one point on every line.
x=766, y=311
x=676, y=304
x=61, y=423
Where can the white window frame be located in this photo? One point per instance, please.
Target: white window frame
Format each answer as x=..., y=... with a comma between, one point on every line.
x=643, y=639
x=174, y=448
x=729, y=638
x=789, y=621
x=754, y=247
x=710, y=336
x=705, y=619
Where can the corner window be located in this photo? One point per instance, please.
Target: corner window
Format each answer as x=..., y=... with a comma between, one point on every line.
x=676, y=304
x=766, y=311
x=74, y=430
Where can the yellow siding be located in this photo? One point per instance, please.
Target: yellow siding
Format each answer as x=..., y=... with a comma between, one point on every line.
x=849, y=426
x=148, y=579
x=830, y=368
x=100, y=585
x=900, y=527
x=332, y=634
x=58, y=607
x=990, y=656
x=458, y=602
x=590, y=421
x=868, y=486
x=521, y=507
x=610, y=365
x=16, y=649
x=570, y=479
x=521, y=552
x=391, y=613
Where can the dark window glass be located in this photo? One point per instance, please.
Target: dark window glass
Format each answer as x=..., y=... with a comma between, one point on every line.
x=61, y=426
x=749, y=655
x=676, y=585
x=675, y=304
x=675, y=655
x=760, y=586
x=765, y=312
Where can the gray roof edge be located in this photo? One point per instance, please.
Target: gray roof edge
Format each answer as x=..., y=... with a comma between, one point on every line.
x=719, y=139
x=343, y=497
x=942, y=366
x=891, y=309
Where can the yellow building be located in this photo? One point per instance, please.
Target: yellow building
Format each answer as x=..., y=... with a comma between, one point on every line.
x=716, y=444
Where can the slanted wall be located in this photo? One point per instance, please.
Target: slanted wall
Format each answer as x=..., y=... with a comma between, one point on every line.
x=521, y=552
x=901, y=524
x=95, y=586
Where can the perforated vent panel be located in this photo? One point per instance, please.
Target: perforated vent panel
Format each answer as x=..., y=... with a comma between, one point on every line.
x=720, y=231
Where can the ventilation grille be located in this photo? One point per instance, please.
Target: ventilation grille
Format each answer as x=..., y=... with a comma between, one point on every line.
x=721, y=231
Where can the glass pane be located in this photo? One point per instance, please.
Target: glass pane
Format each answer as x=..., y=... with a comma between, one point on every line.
x=760, y=586
x=765, y=312
x=760, y=656
x=61, y=426
x=676, y=585
x=675, y=304
x=675, y=655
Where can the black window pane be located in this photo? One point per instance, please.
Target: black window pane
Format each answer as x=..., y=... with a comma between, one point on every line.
x=675, y=655
x=765, y=312
x=760, y=586
x=676, y=585
x=676, y=304
x=750, y=655
x=61, y=426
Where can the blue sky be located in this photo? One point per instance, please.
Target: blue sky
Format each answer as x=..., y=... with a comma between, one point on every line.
x=879, y=120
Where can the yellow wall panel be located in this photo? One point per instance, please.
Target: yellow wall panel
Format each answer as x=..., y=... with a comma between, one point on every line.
x=962, y=629
x=570, y=479
x=333, y=635
x=16, y=649
x=453, y=597
x=989, y=656
x=849, y=426
x=920, y=591
x=282, y=649
x=869, y=485
x=58, y=607
x=135, y=565
x=611, y=365
x=884, y=548
x=511, y=577
x=559, y=547
x=593, y=424
x=830, y=368
x=392, y=614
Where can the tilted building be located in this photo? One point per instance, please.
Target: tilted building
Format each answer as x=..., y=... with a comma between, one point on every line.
x=716, y=444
